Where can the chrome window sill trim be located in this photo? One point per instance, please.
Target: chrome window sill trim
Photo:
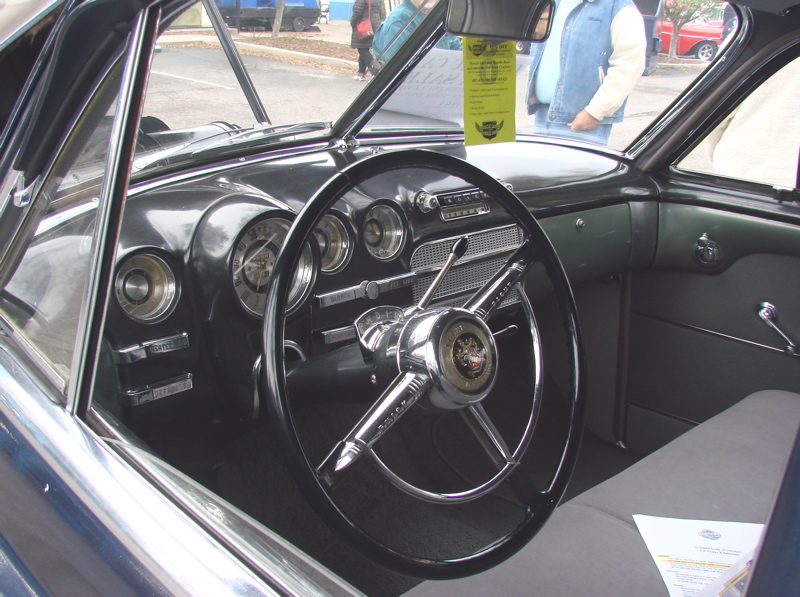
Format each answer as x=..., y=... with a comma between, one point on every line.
x=261, y=549
x=145, y=525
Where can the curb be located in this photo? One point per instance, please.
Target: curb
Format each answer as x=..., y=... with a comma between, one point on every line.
x=327, y=60
x=265, y=50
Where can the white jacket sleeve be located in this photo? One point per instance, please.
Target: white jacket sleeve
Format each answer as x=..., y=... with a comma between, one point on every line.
x=625, y=65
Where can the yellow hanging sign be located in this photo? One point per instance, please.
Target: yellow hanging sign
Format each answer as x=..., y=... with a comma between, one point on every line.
x=489, y=91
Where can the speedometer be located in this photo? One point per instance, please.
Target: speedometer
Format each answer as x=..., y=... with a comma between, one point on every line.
x=253, y=261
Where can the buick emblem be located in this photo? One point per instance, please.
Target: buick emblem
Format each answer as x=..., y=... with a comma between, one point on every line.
x=469, y=356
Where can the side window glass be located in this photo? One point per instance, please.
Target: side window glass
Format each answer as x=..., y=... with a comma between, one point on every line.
x=758, y=141
x=44, y=301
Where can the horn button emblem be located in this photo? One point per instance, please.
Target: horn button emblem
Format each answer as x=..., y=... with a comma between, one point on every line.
x=467, y=357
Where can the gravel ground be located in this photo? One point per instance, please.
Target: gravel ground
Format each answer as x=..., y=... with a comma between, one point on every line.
x=301, y=42
x=314, y=41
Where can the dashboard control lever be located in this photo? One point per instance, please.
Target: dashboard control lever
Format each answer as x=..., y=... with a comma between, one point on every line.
x=456, y=252
x=507, y=331
x=769, y=315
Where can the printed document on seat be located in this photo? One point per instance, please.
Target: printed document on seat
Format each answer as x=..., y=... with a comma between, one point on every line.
x=690, y=554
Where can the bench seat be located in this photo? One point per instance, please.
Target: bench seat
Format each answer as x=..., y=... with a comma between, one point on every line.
x=728, y=468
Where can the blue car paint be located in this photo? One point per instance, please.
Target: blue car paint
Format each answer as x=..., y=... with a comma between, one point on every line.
x=258, y=12
x=39, y=508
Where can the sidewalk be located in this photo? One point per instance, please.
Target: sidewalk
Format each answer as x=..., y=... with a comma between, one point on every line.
x=338, y=32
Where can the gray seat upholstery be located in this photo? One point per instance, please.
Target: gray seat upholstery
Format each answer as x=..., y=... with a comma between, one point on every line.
x=727, y=468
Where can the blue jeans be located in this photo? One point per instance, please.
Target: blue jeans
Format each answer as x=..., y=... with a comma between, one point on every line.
x=542, y=126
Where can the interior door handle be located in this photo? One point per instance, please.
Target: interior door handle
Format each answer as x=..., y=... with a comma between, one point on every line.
x=769, y=315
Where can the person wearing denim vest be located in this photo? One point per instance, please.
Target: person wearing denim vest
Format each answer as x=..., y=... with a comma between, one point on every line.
x=581, y=91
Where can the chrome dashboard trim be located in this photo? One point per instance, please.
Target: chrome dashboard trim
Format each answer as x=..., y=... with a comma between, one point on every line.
x=472, y=253
x=158, y=390
x=137, y=188
x=144, y=350
x=342, y=334
x=371, y=289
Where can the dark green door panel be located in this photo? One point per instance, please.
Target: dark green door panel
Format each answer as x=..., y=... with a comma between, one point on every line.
x=726, y=303
x=737, y=235
x=697, y=344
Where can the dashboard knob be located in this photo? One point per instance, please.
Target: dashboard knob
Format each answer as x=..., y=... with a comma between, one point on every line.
x=372, y=290
x=426, y=202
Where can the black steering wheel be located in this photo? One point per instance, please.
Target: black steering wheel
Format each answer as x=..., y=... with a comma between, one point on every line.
x=445, y=360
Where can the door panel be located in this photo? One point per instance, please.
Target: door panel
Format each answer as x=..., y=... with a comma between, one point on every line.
x=697, y=344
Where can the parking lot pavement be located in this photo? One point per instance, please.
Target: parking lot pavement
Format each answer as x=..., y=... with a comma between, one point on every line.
x=652, y=94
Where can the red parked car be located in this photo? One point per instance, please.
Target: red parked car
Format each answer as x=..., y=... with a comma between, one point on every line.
x=698, y=38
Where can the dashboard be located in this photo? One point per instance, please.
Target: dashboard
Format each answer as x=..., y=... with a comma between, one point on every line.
x=195, y=255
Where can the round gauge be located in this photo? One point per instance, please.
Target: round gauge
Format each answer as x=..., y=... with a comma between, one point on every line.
x=383, y=232
x=253, y=260
x=377, y=316
x=145, y=288
x=334, y=243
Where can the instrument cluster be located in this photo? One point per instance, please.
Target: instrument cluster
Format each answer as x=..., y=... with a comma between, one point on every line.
x=382, y=232
x=147, y=288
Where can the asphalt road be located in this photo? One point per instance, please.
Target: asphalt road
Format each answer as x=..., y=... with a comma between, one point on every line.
x=191, y=86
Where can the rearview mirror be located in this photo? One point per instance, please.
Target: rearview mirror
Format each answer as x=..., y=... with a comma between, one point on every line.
x=521, y=20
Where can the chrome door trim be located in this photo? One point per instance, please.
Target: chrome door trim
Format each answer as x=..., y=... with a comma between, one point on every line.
x=81, y=373
x=167, y=544
x=290, y=571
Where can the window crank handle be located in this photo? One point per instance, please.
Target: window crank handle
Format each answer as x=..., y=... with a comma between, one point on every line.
x=769, y=314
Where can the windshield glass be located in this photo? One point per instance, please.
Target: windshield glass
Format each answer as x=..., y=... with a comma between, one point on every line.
x=619, y=67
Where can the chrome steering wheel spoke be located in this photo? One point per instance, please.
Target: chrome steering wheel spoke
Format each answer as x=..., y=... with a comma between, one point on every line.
x=492, y=294
x=401, y=395
x=491, y=440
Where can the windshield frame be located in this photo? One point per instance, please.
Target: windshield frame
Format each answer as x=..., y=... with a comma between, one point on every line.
x=391, y=76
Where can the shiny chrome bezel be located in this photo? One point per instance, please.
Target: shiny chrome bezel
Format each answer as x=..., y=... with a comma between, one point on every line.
x=243, y=286
x=345, y=238
x=159, y=300
x=393, y=229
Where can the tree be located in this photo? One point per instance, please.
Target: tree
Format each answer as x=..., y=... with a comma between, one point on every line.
x=680, y=12
x=278, y=20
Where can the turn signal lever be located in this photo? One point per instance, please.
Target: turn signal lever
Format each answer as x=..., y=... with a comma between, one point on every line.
x=456, y=253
